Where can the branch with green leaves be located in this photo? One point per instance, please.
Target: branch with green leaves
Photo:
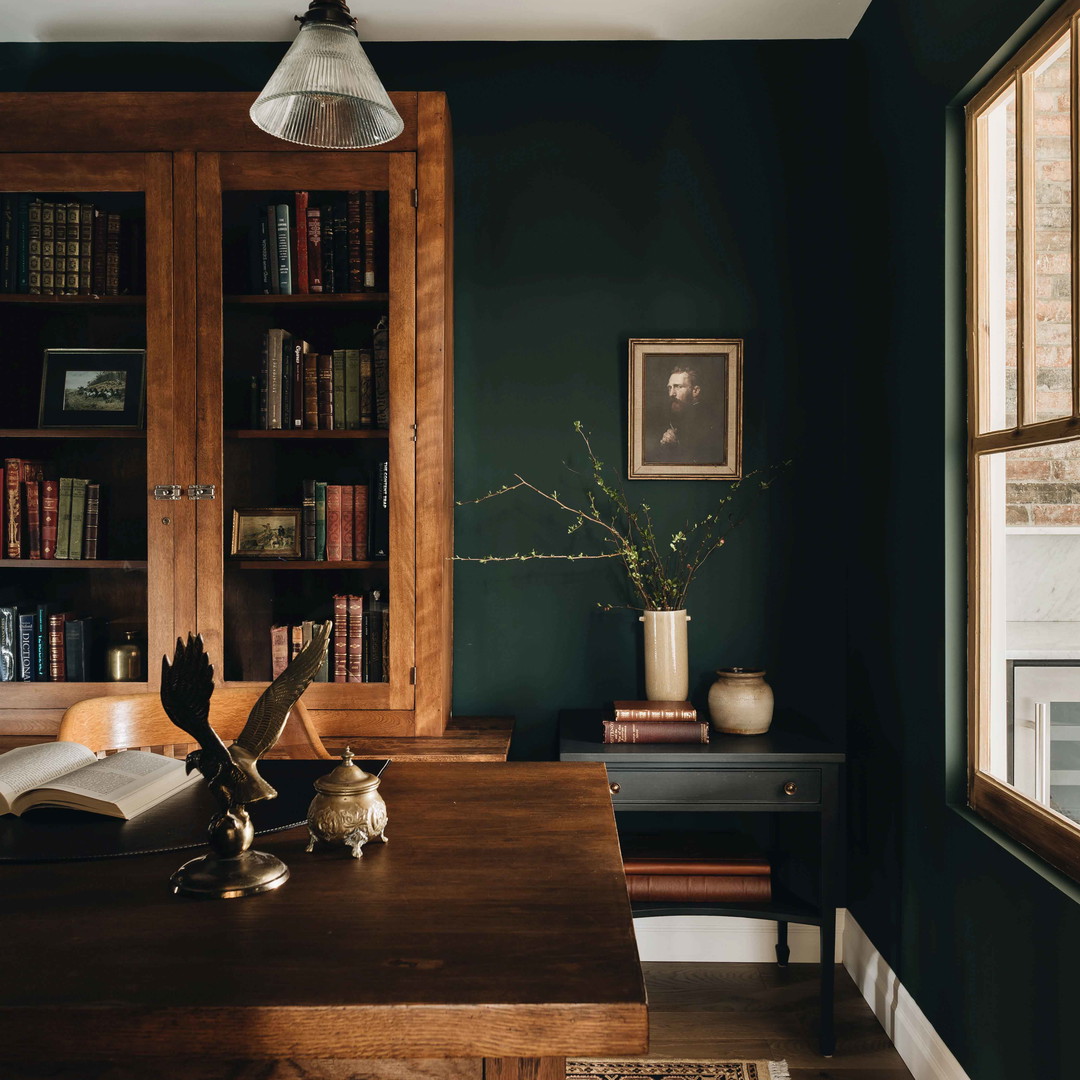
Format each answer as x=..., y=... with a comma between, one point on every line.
x=658, y=571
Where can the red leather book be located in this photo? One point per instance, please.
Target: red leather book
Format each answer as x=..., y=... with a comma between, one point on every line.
x=57, y=650
x=700, y=888
x=333, y=523
x=90, y=521
x=655, y=731
x=360, y=522
x=654, y=710
x=354, y=638
x=300, y=242
x=355, y=224
x=340, y=668
x=13, y=506
x=314, y=249
x=50, y=503
x=347, y=521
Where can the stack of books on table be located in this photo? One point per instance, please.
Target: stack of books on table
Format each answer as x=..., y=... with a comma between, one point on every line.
x=716, y=868
x=655, y=722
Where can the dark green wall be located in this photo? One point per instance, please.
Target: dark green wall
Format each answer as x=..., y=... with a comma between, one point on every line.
x=986, y=943
x=606, y=191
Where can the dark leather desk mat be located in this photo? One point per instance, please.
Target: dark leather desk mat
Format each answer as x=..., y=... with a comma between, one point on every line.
x=52, y=834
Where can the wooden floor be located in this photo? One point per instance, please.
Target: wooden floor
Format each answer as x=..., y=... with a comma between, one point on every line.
x=750, y=1011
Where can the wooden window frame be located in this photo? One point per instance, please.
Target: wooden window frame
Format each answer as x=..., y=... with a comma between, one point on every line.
x=1050, y=835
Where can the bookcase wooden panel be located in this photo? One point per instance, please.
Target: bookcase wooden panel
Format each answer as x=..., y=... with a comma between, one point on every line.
x=193, y=161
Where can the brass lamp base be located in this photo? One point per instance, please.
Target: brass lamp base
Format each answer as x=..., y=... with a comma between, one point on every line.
x=216, y=878
x=230, y=869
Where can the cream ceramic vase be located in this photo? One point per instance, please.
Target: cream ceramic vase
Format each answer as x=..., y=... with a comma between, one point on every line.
x=740, y=702
x=667, y=673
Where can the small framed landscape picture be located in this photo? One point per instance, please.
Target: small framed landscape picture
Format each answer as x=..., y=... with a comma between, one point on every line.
x=266, y=533
x=93, y=388
x=685, y=409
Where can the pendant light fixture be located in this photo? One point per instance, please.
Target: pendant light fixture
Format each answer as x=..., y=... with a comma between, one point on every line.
x=325, y=91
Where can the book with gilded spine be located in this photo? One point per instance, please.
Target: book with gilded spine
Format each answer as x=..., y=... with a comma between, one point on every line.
x=50, y=499
x=348, y=522
x=325, y=404
x=314, y=249
x=90, y=521
x=654, y=710
x=57, y=646
x=655, y=731
x=78, y=517
x=333, y=523
x=13, y=506
x=369, y=240
x=32, y=501
x=307, y=520
x=700, y=888
x=299, y=238
x=360, y=521
x=354, y=638
x=340, y=644
x=380, y=342
x=355, y=225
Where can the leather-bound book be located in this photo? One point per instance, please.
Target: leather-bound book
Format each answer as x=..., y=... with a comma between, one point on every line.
x=78, y=517
x=347, y=522
x=99, y=253
x=366, y=405
x=314, y=249
x=307, y=520
x=325, y=403
x=655, y=731
x=50, y=501
x=87, y=218
x=13, y=506
x=654, y=710
x=700, y=888
x=369, y=240
x=340, y=667
x=692, y=853
x=300, y=352
x=311, y=391
x=32, y=502
x=354, y=638
x=57, y=646
x=333, y=523
x=112, y=254
x=380, y=342
x=299, y=241
x=352, y=390
x=91, y=520
x=360, y=521
x=355, y=225
x=320, y=521
x=326, y=225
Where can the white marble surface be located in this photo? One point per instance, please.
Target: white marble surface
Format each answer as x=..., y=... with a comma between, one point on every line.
x=1042, y=577
x=1042, y=641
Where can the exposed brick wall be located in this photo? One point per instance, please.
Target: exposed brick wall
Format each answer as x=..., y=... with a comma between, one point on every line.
x=1043, y=484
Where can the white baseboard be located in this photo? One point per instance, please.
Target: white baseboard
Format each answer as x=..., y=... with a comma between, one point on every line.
x=718, y=939
x=914, y=1037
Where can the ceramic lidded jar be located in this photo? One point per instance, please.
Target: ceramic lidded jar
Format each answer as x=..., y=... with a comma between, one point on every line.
x=348, y=808
x=740, y=702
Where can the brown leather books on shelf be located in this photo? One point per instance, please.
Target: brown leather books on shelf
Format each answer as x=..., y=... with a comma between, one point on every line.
x=655, y=731
x=654, y=710
x=700, y=888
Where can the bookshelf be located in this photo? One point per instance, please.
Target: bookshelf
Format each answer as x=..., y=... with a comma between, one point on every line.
x=196, y=177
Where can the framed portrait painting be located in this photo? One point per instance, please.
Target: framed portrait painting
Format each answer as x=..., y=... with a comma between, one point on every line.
x=93, y=388
x=685, y=409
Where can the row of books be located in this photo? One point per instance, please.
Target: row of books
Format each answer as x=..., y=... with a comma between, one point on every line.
x=48, y=518
x=42, y=645
x=65, y=246
x=344, y=522
x=341, y=390
x=655, y=722
x=321, y=243
x=360, y=643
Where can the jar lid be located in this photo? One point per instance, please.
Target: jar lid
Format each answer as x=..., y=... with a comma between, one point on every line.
x=740, y=672
x=347, y=778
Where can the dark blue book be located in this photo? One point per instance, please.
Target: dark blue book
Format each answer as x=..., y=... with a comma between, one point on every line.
x=8, y=244
x=379, y=513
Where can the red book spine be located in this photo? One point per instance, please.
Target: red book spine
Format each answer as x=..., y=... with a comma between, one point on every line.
x=3, y=508
x=333, y=523
x=347, y=521
x=354, y=638
x=340, y=672
x=13, y=501
x=655, y=731
x=90, y=521
x=279, y=649
x=50, y=504
x=369, y=239
x=692, y=888
x=299, y=238
x=360, y=521
x=355, y=223
x=57, y=652
x=32, y=495
x=314, y=249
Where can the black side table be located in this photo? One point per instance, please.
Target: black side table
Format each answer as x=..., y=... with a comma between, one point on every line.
x=777, y=773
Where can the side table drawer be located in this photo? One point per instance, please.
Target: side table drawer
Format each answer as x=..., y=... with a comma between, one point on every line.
x=692, y=788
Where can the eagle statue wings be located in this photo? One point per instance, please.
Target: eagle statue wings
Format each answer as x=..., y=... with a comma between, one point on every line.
x=231, y=772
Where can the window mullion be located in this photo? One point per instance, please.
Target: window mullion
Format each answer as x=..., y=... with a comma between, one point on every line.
x=1025, y=249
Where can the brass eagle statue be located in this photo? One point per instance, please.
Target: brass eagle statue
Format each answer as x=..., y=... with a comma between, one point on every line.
x=231, y=772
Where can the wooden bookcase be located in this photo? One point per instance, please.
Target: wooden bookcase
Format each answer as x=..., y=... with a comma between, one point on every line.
x=191, y=168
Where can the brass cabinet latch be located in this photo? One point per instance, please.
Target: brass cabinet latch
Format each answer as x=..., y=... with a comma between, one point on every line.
x=200, y=491
x=167, y=491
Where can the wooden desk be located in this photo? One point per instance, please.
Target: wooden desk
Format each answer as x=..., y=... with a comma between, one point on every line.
x=466, y=738
x=777, y=773
x=492, y=933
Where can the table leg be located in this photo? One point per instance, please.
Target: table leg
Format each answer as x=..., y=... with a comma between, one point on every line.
x=545, y=1068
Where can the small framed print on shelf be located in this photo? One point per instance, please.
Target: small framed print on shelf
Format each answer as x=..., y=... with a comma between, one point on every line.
x=93, y=388
x=266, y=533
x=685, y=409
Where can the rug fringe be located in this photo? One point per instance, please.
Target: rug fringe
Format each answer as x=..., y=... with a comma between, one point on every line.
x=778, y=1070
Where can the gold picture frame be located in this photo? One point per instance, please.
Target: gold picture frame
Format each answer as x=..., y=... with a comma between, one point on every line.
x=685, y=418
x=266, y=532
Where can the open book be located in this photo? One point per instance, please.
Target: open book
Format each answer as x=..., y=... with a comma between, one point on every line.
x=68, y=774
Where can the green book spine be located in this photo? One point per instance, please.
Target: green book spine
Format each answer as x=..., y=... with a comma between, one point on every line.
x=63, y=520
x=352, y=389
x=78, y=517
x=339, y=389
x=320, y=521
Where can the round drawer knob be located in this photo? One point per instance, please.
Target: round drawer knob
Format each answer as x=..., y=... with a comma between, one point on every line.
x=790, y=787
x=614, y=788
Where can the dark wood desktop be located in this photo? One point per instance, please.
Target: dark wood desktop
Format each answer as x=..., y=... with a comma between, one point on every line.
x=493, y=933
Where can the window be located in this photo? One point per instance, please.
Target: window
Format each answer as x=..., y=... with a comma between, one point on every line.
x=1024, y=445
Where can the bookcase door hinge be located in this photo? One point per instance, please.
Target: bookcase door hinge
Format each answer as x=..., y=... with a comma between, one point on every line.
x=200, y=491
x=415, y=197
x=412, y=676
x=166, y=491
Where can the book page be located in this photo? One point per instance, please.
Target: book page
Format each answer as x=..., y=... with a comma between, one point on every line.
x=28, y=767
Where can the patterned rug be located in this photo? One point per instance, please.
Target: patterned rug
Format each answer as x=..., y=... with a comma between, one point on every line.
x=679, y=1069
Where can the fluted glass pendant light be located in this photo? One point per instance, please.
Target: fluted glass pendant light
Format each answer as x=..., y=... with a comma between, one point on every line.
x=325, y=91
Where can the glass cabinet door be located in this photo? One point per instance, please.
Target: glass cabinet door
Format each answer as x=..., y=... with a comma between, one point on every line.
x=306, y=388
x=88, y=424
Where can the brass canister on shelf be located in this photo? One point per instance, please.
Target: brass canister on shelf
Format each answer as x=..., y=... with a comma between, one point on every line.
x=348, y=808
x=123, y=662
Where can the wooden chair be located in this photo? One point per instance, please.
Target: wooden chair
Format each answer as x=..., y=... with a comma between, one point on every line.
x=138, y=721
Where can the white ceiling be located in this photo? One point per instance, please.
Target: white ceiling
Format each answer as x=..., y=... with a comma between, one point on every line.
x=433, y=20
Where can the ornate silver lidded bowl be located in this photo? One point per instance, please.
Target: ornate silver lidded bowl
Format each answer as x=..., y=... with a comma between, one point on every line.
x=348, y=808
